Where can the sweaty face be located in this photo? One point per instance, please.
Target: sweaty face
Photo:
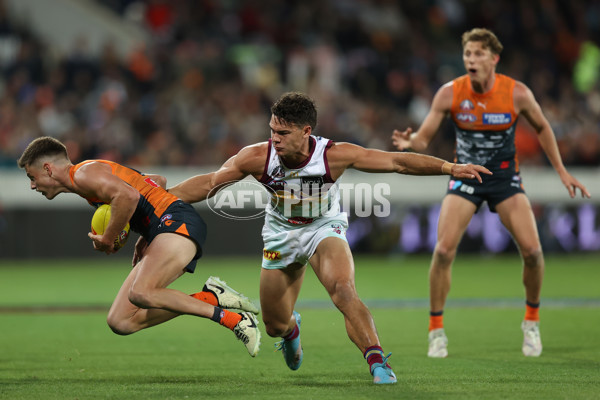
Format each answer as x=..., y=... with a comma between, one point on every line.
x=288, y=139
x=480, y=62
x=41, y=181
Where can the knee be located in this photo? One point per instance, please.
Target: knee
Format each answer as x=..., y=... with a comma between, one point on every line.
x=119, y=326
x=275, y=328
x=444, y=254
x=532, y=256
x=141, y=298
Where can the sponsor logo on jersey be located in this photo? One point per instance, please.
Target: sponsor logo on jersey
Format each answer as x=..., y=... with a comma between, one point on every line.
x=466, y=117
x=466, y=105
x=165, y=217
x=271, y=255
x=312, y=180
x=496, y=119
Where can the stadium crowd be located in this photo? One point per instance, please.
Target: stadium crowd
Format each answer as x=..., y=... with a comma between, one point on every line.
x=201, y=88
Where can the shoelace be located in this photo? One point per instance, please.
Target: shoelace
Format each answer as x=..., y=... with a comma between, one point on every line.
x=279, y=345
x=532, y=334
x=382, y=364
x=386, y=358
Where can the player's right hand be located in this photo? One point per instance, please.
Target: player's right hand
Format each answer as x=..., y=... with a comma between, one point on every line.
x=469, y=171
x=401, y=140
x=102, y=245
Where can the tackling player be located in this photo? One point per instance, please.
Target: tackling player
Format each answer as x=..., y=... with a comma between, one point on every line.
x=302, y=170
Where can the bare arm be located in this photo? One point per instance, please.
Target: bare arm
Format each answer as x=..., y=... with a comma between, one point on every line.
x=526, y=105
x=418, y=141
x=96, y=181
x=249, y=161
x=158, y=179
x=346, y=155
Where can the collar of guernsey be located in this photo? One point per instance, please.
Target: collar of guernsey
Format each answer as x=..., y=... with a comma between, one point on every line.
x=156, y=198
x=490, y=111
x=302, y=193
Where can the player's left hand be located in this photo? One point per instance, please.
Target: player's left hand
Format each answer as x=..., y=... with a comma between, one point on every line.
x=573, y=184
x=469, y=171
x=100, y=244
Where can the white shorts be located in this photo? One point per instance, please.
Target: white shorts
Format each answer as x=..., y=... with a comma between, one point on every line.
x=286, y=244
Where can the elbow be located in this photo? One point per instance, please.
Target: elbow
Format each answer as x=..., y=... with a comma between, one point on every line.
x=161, y=181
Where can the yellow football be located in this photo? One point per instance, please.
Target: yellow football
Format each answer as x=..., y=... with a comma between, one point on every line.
x=100, y=222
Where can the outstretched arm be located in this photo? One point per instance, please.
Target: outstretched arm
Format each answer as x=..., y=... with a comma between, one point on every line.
x=249, y=161
x=418, y=141
x=526, y=104
x=347, y=155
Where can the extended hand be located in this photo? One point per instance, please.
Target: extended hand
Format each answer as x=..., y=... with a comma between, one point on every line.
x=401, y=139
x=469, y=171
x=572, y=184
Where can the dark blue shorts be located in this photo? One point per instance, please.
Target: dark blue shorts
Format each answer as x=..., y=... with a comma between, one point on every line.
x=493, y=189
x=182, y=218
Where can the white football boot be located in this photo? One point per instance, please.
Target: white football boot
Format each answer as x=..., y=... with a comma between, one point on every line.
x=532, y=341
x=247, y=331
x=228, y=297
x=438, y=344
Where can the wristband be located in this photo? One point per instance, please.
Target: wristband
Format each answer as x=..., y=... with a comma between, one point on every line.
x=447, y=168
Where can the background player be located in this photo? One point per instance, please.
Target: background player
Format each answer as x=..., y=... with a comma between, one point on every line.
x=484, y=107
x=172, y=238
x=304, y=222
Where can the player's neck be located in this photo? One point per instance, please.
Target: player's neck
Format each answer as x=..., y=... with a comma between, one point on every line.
x=484, y=85
x=293, y=161
x=63, y=176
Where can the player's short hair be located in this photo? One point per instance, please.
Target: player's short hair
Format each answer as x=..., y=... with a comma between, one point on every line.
x=42, y=147
x=295, y=108
x=486, y=37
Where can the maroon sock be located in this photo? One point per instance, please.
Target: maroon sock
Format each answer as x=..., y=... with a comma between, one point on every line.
x=293, y=334
x=374, y=355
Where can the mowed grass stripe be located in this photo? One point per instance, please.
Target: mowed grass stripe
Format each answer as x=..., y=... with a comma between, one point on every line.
x=96, y=282
x=327, y=304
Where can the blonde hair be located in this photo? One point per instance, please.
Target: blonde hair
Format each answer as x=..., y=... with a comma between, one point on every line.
x=486, y=37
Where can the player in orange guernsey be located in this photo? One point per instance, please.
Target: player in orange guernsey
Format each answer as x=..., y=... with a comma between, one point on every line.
x=484, y=107
x=172, y=235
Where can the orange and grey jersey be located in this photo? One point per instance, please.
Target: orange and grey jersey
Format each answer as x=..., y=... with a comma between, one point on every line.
x=301, y=194
x=485, y=124
x=153, y=202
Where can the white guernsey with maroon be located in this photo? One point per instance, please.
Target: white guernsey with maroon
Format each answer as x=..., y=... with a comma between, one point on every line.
x=304, y=207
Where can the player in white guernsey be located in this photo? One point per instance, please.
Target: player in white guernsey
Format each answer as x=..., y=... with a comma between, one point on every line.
x=304, y=223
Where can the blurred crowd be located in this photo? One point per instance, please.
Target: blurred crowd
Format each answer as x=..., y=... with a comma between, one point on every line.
x=201, y=88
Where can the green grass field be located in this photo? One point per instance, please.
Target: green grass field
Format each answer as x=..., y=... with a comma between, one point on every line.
x=55, y=344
